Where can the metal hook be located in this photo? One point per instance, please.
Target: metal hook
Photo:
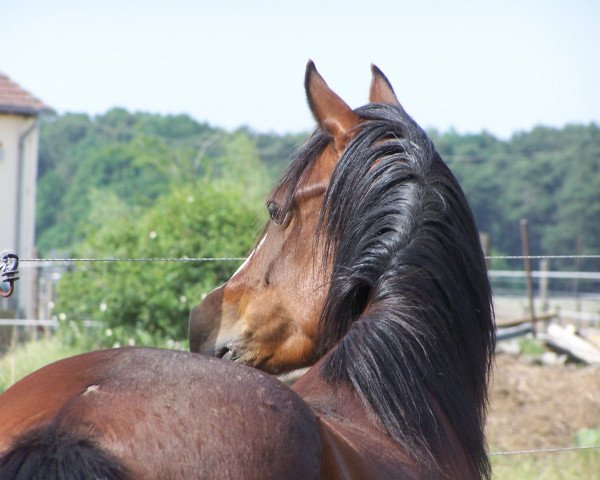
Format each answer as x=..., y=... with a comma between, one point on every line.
x=9, y=264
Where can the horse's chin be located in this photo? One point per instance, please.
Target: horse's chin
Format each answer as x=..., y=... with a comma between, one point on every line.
x=236, y=355
x=235, y=352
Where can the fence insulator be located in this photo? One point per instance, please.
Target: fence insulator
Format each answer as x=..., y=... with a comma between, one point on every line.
x=9, y=273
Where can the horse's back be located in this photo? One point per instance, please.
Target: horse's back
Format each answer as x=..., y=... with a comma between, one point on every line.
x=166, y=414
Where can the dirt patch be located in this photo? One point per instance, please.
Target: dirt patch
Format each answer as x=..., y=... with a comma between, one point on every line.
x=534, y=406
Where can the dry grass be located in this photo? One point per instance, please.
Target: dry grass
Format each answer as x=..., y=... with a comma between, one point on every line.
x=576, y=465
x=537, y=407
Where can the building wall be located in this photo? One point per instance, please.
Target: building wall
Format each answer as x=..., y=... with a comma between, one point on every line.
x=12, y=127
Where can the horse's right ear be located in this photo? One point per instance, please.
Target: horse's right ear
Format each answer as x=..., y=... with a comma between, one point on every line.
x=330, y=111
x=381, y=89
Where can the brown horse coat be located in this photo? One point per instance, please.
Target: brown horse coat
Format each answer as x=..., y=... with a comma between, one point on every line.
x=170, y=415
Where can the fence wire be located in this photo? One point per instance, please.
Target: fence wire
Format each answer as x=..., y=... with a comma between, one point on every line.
x=239, y=259
x=544, y=450
x=539, y=257
x=141, y=259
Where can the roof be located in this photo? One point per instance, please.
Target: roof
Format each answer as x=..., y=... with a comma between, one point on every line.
x=15, y=100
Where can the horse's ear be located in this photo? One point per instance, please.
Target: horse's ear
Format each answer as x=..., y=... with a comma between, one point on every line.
x=381, y=89
x=330, y=111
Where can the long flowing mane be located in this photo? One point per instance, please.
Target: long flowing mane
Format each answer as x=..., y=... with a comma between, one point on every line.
x=408, y=319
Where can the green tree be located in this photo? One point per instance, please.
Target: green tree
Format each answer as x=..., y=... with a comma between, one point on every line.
x=547, y=175
x=139, y=154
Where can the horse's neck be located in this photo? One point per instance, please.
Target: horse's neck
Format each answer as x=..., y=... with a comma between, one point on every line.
x=354, y=437
x=355, y=444
x=333, y=401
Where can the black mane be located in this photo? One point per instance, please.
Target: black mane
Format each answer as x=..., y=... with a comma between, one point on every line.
x=408, y=317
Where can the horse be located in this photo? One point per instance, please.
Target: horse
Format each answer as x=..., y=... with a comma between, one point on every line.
x=369, y=273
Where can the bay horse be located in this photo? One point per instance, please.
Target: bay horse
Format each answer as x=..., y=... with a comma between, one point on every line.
x=369, y=272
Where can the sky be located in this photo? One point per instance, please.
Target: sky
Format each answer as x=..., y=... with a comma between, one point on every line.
x=500, y=66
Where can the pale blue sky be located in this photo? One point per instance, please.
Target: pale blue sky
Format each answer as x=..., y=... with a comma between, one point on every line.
x=503, y=66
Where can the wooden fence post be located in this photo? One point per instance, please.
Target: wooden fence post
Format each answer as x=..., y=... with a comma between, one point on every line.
x=485, y=241
x=527, y=264
x=544, y=269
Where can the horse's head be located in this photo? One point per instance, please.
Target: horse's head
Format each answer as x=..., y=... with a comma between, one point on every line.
x=267, y=314
x=371, y=263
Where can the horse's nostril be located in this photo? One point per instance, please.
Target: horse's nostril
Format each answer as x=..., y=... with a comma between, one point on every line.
x=221, y=352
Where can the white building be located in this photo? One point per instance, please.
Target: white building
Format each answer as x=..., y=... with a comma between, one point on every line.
x=19, y=134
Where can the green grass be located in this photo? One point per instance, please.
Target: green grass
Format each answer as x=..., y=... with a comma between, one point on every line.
x=531, y=346
x=587, y=437
x=576, y=465
x=28, y=357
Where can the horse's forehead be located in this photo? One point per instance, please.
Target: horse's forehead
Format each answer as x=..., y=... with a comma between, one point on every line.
x=323, y=167
x=315, y=175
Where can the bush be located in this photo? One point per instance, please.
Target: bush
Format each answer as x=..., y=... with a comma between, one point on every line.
x=147, y=303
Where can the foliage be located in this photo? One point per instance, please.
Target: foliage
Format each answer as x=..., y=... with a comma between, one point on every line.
x=142, y=185
x=144, y=302
x=127, y=184
x=549, y=176
x=137, y=156
x=276, y=150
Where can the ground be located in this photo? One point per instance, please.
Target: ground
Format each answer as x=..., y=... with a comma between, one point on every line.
x=534, y=406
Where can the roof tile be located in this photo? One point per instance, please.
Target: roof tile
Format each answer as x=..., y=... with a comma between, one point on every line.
x=13, y=99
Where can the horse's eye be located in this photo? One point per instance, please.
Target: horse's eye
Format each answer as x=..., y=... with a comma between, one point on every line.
x=274, y=212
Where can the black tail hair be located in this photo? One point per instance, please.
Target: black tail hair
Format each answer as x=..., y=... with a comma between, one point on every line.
x=48, y=454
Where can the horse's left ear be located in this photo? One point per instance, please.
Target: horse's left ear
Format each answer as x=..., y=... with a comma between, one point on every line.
x=330, y=111
x=381, y=89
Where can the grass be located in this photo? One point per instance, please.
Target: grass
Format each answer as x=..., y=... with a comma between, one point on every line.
x=579, y=464
x=30, y=356
x=531, y=346
x=574, y=464
x=587, y=437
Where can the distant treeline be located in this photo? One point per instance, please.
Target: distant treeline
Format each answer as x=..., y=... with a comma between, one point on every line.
x=550, y=176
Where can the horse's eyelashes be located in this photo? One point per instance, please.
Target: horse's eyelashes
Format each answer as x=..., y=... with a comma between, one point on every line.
x=274, y=212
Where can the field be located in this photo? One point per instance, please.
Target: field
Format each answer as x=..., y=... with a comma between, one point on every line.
x=541, y=407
